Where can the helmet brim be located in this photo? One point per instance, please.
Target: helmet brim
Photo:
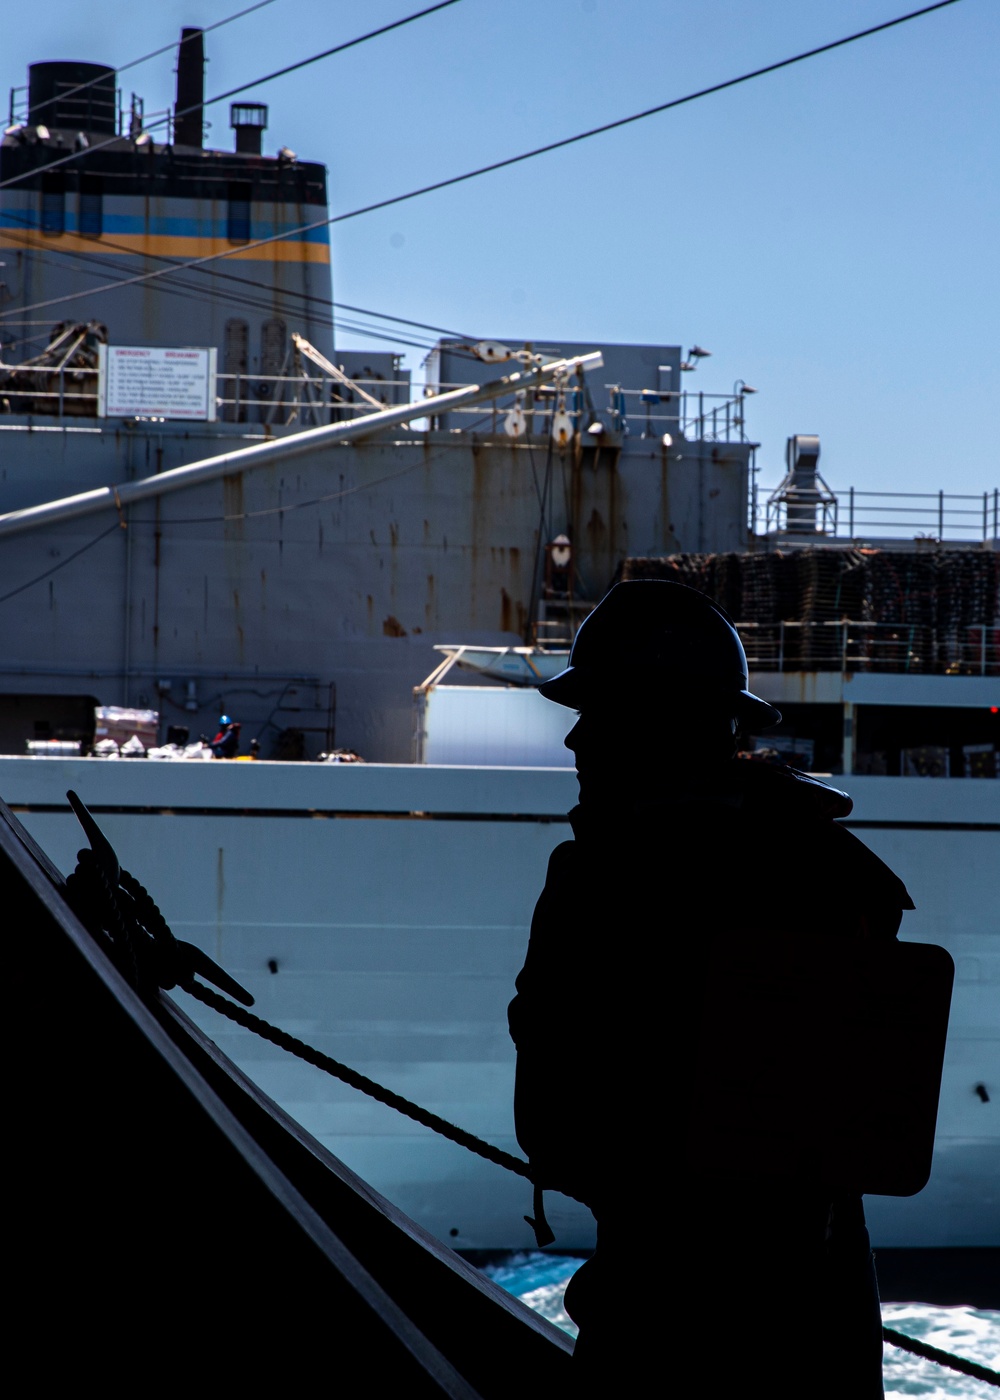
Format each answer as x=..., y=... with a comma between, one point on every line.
x=573, y=688
x=567, y=688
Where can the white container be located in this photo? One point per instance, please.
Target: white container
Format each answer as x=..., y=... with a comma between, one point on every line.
x=53, y=748
x=491, y=726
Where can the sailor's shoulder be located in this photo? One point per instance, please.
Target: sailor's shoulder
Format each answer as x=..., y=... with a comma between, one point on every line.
x=564, y=860
x=778, y=791
x=880, y=882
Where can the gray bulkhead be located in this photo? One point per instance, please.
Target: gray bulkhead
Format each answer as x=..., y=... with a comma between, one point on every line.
x=344, y=568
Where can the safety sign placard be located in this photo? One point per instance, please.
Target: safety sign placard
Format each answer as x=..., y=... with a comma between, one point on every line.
x=141, y=381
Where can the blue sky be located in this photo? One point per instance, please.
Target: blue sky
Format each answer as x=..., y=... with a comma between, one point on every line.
x=830, y=232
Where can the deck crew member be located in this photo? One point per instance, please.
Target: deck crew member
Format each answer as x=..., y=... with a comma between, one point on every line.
x=226, y=743
x=718, y=1244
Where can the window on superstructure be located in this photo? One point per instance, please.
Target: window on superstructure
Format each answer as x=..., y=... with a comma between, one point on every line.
x=235, y=363
x=91, y=206
x=54, y=202
x=238, y=226
x=273, y=350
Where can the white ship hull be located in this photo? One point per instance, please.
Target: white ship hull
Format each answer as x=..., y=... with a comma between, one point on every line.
x=395, y=900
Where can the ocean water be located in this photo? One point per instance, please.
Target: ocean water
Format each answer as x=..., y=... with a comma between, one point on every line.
x=540, y=1281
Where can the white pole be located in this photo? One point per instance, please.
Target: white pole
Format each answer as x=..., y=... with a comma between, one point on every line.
x=263, y=453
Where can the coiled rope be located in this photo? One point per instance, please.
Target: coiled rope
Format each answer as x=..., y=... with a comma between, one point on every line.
x=149, y=956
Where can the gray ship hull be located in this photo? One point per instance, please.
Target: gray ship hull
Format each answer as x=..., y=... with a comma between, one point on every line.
x=395, y=902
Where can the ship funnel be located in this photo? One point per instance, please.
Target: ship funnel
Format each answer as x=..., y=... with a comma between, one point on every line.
x=73, y=96
x=249, y=121
x=188, y=110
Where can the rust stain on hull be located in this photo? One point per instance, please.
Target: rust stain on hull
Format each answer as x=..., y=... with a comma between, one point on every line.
x=506, y=611
x=232, y=505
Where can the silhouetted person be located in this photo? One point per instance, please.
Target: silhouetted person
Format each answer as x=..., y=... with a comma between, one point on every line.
x=740, y=1271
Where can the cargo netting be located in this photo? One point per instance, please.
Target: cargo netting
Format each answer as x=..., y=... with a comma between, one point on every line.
x=926, y=611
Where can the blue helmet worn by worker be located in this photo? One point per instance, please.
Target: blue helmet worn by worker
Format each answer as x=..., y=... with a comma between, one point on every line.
x=657, y=635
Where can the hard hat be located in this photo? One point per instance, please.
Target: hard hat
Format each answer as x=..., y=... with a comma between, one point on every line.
x=658, y=635
x=224, y=719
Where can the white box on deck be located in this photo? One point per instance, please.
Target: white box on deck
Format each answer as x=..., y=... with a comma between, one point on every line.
x=493, y=726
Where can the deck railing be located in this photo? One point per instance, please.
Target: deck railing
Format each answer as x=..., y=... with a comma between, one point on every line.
x=311, y=399
x=849, y=514
x=883, y=647
x=260, y=398
x=698, y=416
x=70, y=393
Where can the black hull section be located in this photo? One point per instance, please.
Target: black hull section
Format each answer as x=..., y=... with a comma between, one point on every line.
x=170, y=1223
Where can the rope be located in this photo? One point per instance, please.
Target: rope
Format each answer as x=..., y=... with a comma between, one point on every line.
x=148, y=912
x=357, y=1081
x=170, y=974
x=943, y=1358
x=93, y=900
